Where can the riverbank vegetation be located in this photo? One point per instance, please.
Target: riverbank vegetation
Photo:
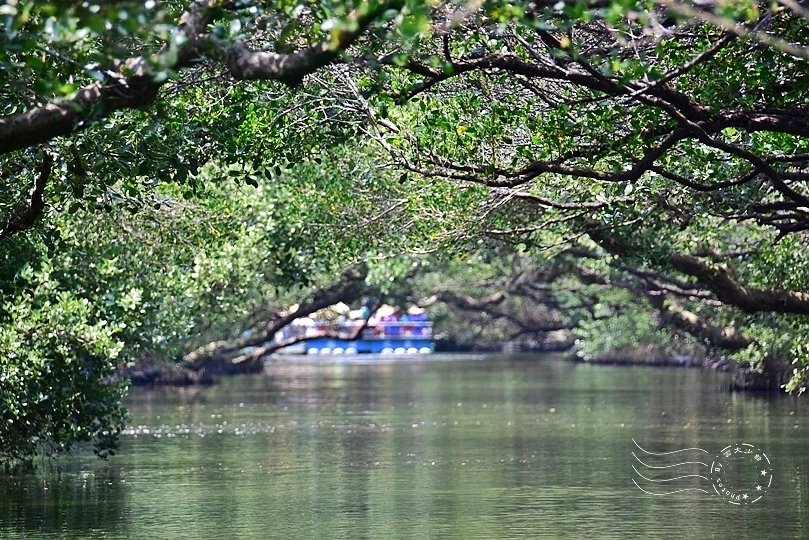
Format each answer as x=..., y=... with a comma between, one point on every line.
x=174, y=175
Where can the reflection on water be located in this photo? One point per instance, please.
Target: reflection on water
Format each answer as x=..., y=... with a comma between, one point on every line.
x=476, y=447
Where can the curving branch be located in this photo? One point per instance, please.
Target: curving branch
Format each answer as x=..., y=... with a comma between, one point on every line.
x=291, y=68
x=730, y=291
x=348, y=286
x=718, y=280
x=132, y=84
x=36, y=205
x=756, y=33
x=671, y=312
x=490, y=305
x=561, y=70
x=674, y=315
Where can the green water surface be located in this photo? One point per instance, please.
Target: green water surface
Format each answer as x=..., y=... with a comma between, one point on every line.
x=445, y=447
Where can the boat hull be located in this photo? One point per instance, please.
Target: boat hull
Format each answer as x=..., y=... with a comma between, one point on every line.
x=404, y=345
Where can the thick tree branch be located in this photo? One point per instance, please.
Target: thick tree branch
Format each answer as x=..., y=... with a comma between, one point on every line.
x=490, y=305
x=730, y=291
x=346, y=288
x=133, y=84
x=672, y=314
x=717, y=279
x=36, y=204
x=676, y=316
x=291, y=68
x=269, y=347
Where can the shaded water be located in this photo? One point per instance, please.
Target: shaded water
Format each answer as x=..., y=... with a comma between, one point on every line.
x=467, y=447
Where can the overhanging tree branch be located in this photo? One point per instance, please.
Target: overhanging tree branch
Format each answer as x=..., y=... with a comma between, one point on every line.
x=133, y=84
x=730, y=291
x=36, y=203
x=348, y=286
x=671, y=312
x=719, y=280
x=675, y=315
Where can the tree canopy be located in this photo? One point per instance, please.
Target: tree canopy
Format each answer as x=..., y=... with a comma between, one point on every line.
x=169, y=167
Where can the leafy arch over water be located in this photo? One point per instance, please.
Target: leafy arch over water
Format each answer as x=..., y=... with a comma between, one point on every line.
x=171, y=167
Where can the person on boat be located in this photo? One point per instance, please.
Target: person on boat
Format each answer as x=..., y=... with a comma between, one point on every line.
x=391, y=329
x=417, y=315
x=344, y=326
x=366, y=309
x=405, y=328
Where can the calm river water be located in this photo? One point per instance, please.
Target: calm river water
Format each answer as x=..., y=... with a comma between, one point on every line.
x=460, y=447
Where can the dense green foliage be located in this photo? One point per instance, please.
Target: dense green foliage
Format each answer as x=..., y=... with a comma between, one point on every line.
x=170, y=172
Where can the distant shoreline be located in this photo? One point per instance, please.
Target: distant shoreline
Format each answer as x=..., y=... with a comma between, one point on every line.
x=153, y=373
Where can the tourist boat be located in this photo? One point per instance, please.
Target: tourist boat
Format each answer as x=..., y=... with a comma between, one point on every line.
x=384, y=338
